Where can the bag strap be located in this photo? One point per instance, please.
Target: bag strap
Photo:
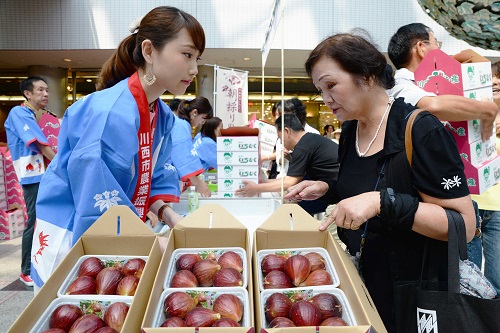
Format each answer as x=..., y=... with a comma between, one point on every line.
x=457, y=248
x=408, y=134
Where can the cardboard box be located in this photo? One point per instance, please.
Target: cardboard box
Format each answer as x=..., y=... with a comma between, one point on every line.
x=12, y=224
x=481, y=178
x=134, y=238
x=478, y=152
x=232, y=185
x=237, y=143
x=444, y=75
x=237, y=158
x=267, y=132
x=292, y=227
x=238, y=171
x=209, y=226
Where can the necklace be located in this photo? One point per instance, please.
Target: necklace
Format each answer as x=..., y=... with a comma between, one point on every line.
x=360, y=154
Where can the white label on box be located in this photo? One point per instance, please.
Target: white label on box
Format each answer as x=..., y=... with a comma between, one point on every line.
x=482, y=178
x=478, y=152
x=232, y=185
x=476, y=75
x=238, y=171
x=237, y=158
x=237, y=143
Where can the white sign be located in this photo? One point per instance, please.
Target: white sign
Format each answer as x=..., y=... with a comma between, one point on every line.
x=231, y=96
x=279, y=7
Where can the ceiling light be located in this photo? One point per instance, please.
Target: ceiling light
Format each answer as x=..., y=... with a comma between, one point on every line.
x=89, y=80
x=67, y=59
x=246, y=58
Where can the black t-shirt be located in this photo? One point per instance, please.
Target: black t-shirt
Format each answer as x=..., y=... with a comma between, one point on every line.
x=314, y=157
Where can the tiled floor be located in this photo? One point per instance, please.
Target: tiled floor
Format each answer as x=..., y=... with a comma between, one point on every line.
x=14, y=296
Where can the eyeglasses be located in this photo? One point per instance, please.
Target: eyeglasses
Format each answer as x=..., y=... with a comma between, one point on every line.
x=438, y=43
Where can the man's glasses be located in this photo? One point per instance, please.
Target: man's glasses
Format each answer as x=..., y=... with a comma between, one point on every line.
x=438, y=43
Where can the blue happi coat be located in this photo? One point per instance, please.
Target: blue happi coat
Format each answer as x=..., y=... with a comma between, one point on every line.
x=206, y=148
x=184, y=158
x=95, y=168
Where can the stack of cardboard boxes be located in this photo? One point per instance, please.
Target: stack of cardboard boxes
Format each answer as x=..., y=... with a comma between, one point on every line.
x=237, y=160
x=12, y=205
x=444, y=75
x=267, y=139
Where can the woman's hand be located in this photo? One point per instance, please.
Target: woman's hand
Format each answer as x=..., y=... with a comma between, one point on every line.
x=352, y=212
x=201, y=186
x=249, y=190
x=307, y=190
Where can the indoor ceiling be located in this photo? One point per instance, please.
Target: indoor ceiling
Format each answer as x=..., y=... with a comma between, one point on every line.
x=92, y=60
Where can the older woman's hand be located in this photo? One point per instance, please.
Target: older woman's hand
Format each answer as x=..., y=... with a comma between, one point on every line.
x=307, y=190
x=352, y=212
x=249, y=190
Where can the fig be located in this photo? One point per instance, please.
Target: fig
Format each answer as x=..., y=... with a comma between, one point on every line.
x=281, y=322
x=106, y=329
x=229, y=306
x=231, y=259
x=317, y=261
x=184, y=279
x=334, y=321
x=328, y=304
x=277, y=280
x=277, y=305
x=54, y=330
x=64, y=316
x=225, y=322
x=82, y=285
x=115, y=315
x=90, y=267
x=107, y=281
x=174, y=322
x=134, y=267
x=127, y=286
x=304, y=313
x=201, y=317
x=272, y=262
x=297, y=268
x=228, y=277
x=178, y=304
x=187, y=261
x=318, y=277
x=88, y=323
x=204, y=270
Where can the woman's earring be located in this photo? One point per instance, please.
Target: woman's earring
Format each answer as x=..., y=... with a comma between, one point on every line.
x=149, y=77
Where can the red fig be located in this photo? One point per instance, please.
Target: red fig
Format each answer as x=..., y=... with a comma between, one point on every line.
x=317, y=261
x=328, y=304
x=134, y=267
x=272, y=262
x=88, y=323
x=318, y=277
x=229, y=306
x=115, y=315
x=281, y=322
x=225, y=322
x=334, y=321
x=54, y=330
x=184, y=279
x=106, y=329
x=277, y=305
x=231, y=259
x=82, y=285
x=174, y=322
x=64, y=316
x=178, y=304
x=204, y=270
x=297, y=268
x=277, y=280
x=228, y=277
x=201, y=317
x=187, y=261
x=90, y=267
x=107, y=281
x=304, y=313
x=127, y=286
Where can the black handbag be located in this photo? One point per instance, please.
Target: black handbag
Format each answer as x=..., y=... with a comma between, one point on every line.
x=432, y=306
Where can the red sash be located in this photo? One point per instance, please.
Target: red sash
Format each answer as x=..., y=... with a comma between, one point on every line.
x=145, y=136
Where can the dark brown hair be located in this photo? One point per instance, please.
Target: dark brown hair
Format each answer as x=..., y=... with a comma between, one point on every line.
x=355, y=55
x=160, y=26
x=495, y=69
x=210, y=126
x=200, y=103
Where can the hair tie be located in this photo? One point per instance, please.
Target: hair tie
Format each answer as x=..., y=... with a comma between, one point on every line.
x=134, y=26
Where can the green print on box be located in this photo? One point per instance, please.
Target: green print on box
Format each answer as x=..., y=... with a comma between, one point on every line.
x=486, y=173
x=228, y=142
x=479, y=147
x=496, y=174
x=228, y=156
x=228, y=169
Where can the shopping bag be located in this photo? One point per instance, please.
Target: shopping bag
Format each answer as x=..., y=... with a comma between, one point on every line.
x=432, y=306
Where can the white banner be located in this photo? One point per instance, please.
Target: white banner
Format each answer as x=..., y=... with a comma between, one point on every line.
x=279, y=7
x=231, y=96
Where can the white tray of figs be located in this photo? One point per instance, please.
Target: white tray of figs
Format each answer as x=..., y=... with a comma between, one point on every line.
x=103, y=275
x=305, y=307
x=71, y=309
x=207, y=267
x=203, y=307
x=296, y=268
